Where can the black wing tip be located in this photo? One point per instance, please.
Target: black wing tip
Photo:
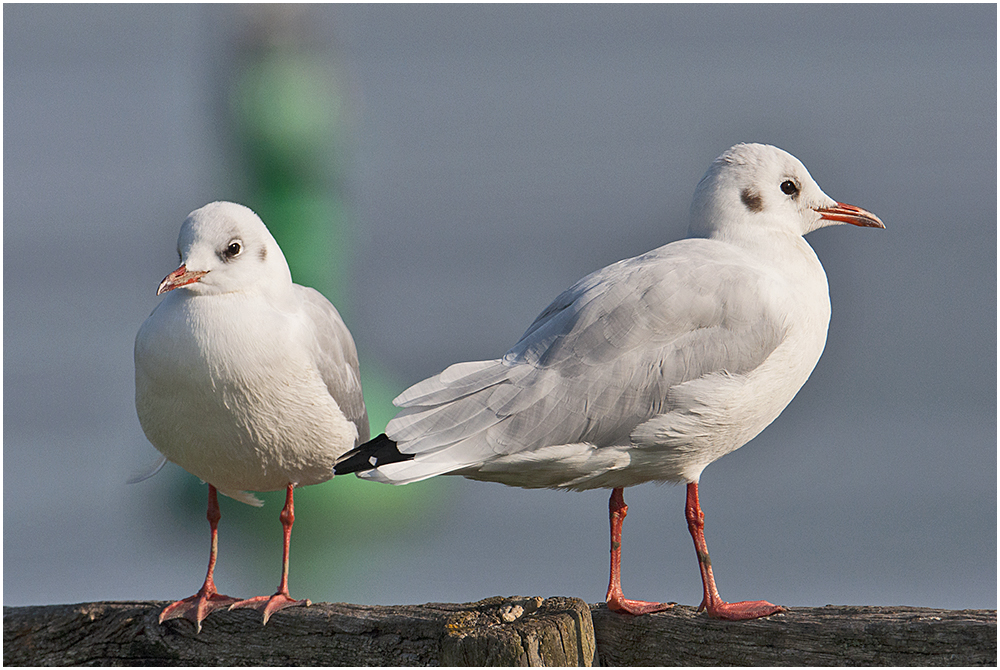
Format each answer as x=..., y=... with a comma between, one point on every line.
x=370, y=455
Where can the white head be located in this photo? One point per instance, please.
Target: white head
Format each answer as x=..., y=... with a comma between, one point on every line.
x=754, y=187
x=223, y=248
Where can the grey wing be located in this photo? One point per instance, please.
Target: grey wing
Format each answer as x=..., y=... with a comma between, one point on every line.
x=337, y=359
x=601, y=359
x=691, y=308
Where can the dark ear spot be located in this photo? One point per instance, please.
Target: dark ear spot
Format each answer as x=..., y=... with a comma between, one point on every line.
x=752, y=200
x=263, y=254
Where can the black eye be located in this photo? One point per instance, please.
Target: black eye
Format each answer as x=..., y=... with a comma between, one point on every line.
x=789, y=187
x=233, y=250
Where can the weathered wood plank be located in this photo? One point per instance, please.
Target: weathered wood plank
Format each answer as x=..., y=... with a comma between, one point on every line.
x=495, y=631
x=824, y=636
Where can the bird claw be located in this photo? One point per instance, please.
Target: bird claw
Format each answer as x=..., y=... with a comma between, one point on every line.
x=268, y=605
x=741, y=611
x=636, y=607
x=196, y=608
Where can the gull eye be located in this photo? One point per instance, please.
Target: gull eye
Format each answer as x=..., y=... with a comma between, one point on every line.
x=789, y=187
x=233, y=250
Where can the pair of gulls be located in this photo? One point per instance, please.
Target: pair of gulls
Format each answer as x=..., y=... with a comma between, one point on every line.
x=646, y=370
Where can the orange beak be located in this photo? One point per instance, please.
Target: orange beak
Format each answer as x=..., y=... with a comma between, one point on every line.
x=850, y=214
x=179, y=277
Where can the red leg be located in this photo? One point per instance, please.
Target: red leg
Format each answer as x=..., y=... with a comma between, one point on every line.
x=712, y=602
x=615, y=599
x=280, y=600
x=207, y=600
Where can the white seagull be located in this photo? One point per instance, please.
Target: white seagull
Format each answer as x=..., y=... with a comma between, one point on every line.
x=245, y=380
x=646, y=370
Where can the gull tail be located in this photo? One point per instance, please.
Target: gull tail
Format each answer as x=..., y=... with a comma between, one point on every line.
x=370, y=455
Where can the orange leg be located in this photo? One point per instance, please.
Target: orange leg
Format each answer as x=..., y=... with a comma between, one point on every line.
x=615, y=599
x=712, y=601
x=207, y=600
x=280, y=600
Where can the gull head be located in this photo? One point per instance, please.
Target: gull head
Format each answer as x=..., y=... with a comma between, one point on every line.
x=224, y=247
x=753, y=188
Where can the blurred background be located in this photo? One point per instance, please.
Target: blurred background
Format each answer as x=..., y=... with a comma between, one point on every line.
x=443, y=172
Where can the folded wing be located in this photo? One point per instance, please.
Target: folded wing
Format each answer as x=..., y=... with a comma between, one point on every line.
x=600, y=360
x=337, y=358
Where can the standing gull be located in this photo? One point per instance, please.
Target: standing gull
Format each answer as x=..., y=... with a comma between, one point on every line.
x=245, y=380
x=646, y=370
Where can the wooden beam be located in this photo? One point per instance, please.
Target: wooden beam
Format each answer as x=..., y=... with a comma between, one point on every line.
x=496, y=631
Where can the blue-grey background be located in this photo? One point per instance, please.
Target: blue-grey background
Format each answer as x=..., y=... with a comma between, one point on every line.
x=487, y=158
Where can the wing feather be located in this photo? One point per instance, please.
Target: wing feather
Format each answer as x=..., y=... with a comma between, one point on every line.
x=337, y=358
x=600, y=360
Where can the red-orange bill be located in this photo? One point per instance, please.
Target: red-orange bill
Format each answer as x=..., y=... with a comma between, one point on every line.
x=845, y=213
x=179, y=277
